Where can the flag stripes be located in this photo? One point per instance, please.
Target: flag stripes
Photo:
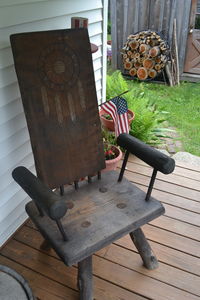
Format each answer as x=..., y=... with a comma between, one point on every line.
x=118, y=110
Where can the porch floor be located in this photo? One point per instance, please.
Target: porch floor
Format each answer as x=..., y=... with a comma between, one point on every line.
x=118, y=271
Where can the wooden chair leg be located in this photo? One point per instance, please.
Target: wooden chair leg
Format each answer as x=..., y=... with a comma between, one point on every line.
x=45, y=245
x=85, y=280
x=144, y=249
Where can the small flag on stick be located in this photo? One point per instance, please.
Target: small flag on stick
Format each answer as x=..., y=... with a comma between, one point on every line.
x=117, y=108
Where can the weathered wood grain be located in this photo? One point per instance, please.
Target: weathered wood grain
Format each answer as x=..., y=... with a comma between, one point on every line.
x=121, y=208
x=54, y=270
x=167, y=272
x=43, y=287
x=147, y=255
x=85, y=279
x=118, y=271
x=176, y=177
x=57, y=85
x=164, y=186
x=169, y=256
x=172, y=240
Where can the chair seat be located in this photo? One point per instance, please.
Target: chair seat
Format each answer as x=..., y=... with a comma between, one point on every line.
x=103, y=211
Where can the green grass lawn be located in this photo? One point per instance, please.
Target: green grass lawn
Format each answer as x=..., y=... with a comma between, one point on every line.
x=183, y=104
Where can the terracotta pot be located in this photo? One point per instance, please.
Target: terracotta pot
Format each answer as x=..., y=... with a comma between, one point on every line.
x=109, y=124
x=112, y=164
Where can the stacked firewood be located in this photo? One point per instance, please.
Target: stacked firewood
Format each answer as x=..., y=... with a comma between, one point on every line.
x=144, y=55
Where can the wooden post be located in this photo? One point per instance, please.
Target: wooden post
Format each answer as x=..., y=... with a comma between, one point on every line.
x=175, y=60
x=168, y=72
x=144, y=249
x=85, y=280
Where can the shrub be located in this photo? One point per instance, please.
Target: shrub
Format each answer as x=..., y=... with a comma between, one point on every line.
x=147, y=123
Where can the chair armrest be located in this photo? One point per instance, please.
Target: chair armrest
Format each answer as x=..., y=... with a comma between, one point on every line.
x=149, y=155
x=43, y=196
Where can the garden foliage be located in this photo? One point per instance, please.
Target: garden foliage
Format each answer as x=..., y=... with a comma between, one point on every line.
x=147, y=125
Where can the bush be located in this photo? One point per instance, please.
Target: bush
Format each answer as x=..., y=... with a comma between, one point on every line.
x=147, y=122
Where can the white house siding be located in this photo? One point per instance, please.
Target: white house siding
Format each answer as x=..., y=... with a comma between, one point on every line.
x=22, y=16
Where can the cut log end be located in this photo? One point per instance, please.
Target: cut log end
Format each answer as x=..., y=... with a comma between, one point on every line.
x=127, y=65
x=142, y=73
x=134, y=44
x=152, y=73
x=137, y=65
x=158, y=67
x=133, y=71
x=155, y=51
x=144, y=48
x=148, y=63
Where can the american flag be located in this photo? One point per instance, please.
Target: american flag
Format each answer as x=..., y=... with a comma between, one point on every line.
x=117, y=108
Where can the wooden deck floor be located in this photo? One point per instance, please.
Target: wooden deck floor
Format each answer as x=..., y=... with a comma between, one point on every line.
x=118, y=271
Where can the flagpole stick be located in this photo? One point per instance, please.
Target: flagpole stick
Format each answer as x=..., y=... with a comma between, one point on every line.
x=114, y=97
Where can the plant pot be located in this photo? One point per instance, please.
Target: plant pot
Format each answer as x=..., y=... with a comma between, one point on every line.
x=109, y=124
x=112, y=164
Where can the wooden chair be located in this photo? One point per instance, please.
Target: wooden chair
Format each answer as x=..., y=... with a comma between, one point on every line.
x=56, y=80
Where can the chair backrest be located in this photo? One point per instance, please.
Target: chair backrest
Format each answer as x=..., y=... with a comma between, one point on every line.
x=56, y=79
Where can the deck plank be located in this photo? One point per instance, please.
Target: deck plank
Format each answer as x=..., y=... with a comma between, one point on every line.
x=172, y=178
x=174, y=200
x=178, y=227
x=43, y=287
x=55, y=270
x=172, y=188
x=129, y=259
x=182, y=169
x=118, y=270
x=172, y=240
x=167, y=255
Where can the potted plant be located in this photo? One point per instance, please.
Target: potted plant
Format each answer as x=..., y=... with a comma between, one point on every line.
x=108, y=122
x=112, y=152
x=112, y=156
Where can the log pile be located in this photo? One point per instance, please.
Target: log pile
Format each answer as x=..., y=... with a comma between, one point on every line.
x=145, y=55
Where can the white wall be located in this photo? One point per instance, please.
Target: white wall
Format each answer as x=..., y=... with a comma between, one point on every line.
x=33, y=15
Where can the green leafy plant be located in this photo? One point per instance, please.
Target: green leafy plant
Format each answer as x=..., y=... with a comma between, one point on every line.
x=107, y=116
x=148, y=119
x=108, y=137
x=109, y=140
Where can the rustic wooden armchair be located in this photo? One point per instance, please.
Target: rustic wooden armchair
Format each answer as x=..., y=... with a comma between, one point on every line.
x=56, y=80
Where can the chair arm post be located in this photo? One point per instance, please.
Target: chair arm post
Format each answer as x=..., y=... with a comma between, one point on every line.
x=123, y=166
x=150, y=188
x=60, y=227
x=62, y=190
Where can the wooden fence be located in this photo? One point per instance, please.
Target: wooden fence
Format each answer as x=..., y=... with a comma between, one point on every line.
x=131, y=16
